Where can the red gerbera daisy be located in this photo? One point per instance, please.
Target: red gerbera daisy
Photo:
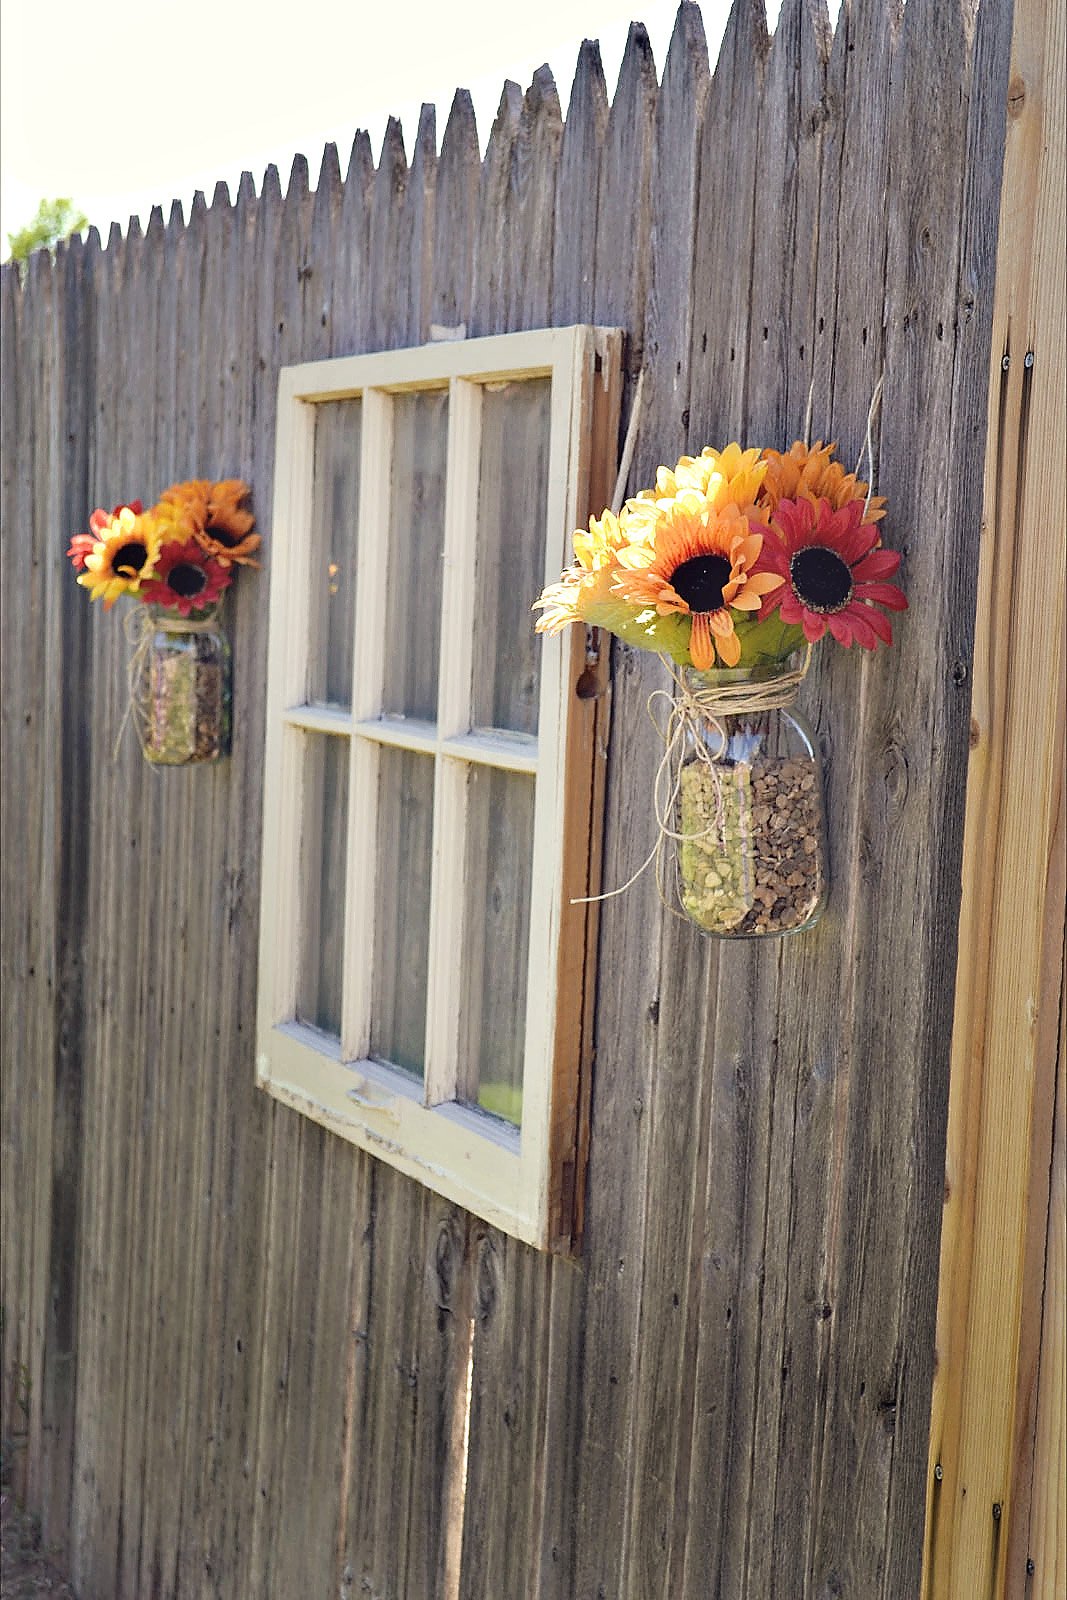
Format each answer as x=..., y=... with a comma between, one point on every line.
x=834, y=572
x=186, y=579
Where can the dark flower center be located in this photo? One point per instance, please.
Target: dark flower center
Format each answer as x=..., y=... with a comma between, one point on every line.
x=224, y=537
x=700, y=582
x=821, y=578
x=129, y=559
x=186, y=579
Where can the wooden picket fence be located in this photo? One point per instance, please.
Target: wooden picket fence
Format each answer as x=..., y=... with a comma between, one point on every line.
x=242, y=1359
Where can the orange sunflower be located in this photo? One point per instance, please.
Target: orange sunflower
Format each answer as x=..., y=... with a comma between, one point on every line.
x=809, y=472
x=216, y=517
x=698, y=563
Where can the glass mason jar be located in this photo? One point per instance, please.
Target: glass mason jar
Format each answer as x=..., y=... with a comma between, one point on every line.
x=187, y=688
x=751, y=850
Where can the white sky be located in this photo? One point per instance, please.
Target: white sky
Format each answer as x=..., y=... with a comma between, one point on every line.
x=123, y=104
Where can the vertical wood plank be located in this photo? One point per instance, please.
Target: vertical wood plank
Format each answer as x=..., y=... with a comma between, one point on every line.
x=491, y=265
x=593, y=1330
x=307, y=1217
x=509, y=1280
x=910, y=772
x=400, y=1377
x=788, y=163
x=574, y=237
x=1009, y=973
x=764, y=1331
x=16, y=960
x=728, y=189
x=97, y=1532
x=1046, y=1541
x=673, y=1118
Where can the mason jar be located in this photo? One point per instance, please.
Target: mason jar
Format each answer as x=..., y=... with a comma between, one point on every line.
x=750, y=837
x=187, y=689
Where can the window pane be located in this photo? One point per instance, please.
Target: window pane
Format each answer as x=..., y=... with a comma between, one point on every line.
x=324, y=853
x=510, y=563
x=498, y=877
x=416, y=540
x=335, y=510
x=402, y=909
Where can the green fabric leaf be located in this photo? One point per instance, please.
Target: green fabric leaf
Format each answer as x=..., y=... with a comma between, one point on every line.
x=643, y=629
x=768, y=642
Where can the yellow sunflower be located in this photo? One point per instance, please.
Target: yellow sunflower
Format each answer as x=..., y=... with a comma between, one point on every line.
x=123, y=557
x=216, y=518
x=809, y=472
x=698, y=564
x=721, y=477
x=588, y=580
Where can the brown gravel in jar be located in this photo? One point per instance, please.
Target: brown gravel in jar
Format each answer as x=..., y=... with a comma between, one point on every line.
x=186, y=706
x=750, y=862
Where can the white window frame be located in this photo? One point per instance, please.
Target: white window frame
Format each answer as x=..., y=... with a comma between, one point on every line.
x=528, y=1181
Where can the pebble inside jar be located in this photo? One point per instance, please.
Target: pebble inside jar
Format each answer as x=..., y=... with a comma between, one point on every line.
x=751, y=856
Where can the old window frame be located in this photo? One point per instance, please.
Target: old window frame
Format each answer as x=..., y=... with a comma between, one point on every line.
x=527, y=1181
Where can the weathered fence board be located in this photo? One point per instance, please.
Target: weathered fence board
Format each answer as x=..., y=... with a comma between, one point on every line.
x=673, y=1117
x=243, y=1346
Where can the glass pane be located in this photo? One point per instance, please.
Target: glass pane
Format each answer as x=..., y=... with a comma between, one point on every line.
x=334, y=516
x=402, y=909
x=324, y=854
x=510, y=561
x=416, y=540
x=499, y=873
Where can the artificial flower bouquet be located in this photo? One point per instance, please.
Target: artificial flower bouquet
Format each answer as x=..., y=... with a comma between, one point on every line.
x=733, y=567
x=177, y=559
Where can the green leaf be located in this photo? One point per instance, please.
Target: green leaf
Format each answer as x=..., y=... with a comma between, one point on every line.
x=644, y=629
x=768, y=642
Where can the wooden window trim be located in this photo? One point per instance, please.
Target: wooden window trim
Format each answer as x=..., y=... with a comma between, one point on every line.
x=529, y=1184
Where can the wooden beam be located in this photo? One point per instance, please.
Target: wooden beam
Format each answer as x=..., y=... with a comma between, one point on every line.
x=993, y=1344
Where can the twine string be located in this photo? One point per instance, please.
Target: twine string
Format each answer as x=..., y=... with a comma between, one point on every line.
x=868, y=443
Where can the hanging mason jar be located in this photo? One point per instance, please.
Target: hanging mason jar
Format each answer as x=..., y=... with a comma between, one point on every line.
x=751, y=854
x=186, y=709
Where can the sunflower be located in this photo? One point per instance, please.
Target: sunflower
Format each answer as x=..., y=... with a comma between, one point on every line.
x=809, y=472
x=215, y=517
x=833, y=572
x=698, y=564
x=186, y=579
x=122, y=557
x=83, y=544
x=587, y=593
x=722, y=477
x=587, y=580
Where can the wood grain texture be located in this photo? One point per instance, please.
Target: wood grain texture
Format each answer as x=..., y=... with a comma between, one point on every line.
x=593, y=1333
x=995, y=1346
x=1046, y=1539
x=763, y=1312
x=508, y=1282
x=880, y=1371
x=248, y=1342
x=673, y=1119
x=575, y=223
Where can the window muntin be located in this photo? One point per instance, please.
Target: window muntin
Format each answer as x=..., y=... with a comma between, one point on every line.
x=443, y=1037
